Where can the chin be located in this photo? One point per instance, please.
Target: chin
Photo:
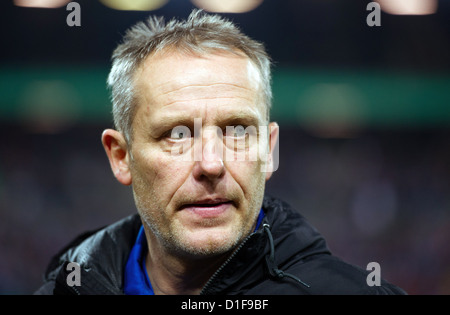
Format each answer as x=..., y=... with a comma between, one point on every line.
x=208, y=243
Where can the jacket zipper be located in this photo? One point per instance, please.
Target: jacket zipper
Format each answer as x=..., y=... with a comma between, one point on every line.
x=205, y=289
x=76, y=291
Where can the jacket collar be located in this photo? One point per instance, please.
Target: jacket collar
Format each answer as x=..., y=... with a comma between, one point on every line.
x=102, y=255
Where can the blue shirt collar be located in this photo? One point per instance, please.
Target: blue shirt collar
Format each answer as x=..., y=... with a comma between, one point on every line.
x=136, y=280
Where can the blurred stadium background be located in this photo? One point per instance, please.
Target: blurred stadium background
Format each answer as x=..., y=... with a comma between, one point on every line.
x=364, y=114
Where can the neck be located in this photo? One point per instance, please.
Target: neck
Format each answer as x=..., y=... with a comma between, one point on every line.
x=171, y=274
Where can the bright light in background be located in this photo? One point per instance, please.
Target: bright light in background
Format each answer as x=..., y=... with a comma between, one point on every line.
x=227, y=6
x=41, y=3
x=134, y=5
x=409, y=7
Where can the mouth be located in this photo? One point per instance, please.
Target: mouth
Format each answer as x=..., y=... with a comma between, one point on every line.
x=209, y=208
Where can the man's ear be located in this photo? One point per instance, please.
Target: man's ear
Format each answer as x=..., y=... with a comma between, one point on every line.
x=272, y=162
x=117, y=151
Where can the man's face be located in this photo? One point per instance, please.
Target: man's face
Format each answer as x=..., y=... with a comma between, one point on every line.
x=194, y=199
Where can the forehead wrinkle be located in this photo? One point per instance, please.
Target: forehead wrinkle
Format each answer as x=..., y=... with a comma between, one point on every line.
x=211, y=85
x=180, y=102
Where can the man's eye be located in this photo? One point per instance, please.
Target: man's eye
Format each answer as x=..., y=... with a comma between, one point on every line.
x=237, y=131
x=180, y=132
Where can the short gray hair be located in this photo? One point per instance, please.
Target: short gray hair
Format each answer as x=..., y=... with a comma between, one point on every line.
x=201, y=33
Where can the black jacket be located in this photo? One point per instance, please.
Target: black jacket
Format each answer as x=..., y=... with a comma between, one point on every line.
x=286, y=255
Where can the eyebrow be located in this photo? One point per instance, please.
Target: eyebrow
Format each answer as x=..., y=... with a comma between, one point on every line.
x=165, y=123
x=242, y=119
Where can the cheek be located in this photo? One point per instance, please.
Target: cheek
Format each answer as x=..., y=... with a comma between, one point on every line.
x=247, y=174
x=161, y=174
x=174, y=174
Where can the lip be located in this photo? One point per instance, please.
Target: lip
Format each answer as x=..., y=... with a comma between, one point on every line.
x=209, y=208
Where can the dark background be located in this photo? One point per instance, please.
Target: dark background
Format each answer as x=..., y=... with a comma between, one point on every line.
x=364, y=140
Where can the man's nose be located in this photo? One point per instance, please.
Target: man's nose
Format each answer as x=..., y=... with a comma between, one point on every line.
x=211, y=163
